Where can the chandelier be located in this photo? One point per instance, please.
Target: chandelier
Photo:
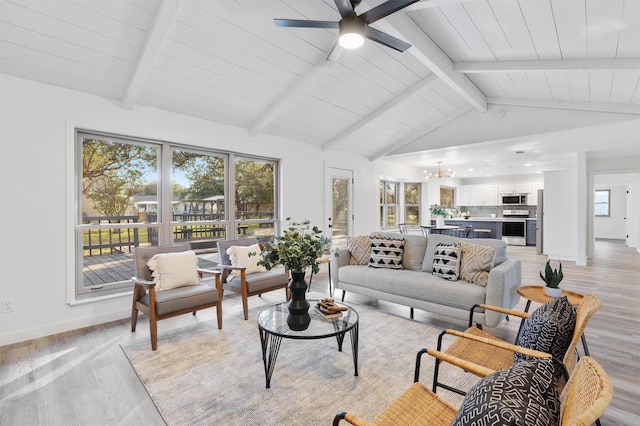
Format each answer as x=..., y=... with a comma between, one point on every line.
x=432, y=175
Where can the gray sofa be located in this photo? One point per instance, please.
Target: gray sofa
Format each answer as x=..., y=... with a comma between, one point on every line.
x=415, y=286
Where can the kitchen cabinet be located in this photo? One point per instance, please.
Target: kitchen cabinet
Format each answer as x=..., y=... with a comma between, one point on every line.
x=514, y=188
x=531, y=232
x=478, y=195
x=494, y=226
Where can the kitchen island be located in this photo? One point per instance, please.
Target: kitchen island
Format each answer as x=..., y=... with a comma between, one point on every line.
x=495, y=226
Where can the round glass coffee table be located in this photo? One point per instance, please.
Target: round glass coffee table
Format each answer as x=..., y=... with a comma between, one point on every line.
x=273, y=327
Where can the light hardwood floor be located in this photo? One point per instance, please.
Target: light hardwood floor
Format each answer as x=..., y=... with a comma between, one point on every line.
x=82, y=377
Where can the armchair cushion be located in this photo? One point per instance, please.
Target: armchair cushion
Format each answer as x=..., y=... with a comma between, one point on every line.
x=548, y=329
x=173, y=270
x=239, y=257
x=525, y=394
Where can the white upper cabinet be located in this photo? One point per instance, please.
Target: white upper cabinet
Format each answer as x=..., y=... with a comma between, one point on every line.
x=514, y=188
x=478, y=195
x=522, y=188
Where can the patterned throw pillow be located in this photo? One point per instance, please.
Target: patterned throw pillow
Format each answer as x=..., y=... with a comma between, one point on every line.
x=386, y=253
x=525, y=394
x=476, y=263
x=548, y=329
x=360, y=248
x=446, y=261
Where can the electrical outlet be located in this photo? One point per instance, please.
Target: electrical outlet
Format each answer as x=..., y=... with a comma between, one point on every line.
x=7, y=305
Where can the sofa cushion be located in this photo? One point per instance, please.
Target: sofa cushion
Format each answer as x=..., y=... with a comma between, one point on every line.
x=413, y=285
x=360, y=249
x=446, y=261
x=386, y=253
x=414, y=248
x=548, y=329
x=433, y=240
x=475, y=263
x=525, y=394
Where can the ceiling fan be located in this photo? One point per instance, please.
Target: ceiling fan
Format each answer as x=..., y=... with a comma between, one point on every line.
x=353, y=27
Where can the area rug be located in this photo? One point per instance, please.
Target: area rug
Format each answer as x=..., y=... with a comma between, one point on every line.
x=204, y=376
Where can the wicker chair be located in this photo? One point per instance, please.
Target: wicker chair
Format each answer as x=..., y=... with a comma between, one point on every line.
x=584, y=399
x=479, y=347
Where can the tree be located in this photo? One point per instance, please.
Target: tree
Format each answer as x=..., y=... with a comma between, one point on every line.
x=254, y=183
x=112, y=171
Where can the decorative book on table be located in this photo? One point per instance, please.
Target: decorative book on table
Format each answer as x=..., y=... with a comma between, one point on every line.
x=329, y=315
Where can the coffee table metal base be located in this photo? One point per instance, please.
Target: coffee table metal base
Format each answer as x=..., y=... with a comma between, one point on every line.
x=273, y=328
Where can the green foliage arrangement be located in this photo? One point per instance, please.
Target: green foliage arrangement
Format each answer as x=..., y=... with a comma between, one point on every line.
x=297, y=249
x=438, y=210
x=552, y=277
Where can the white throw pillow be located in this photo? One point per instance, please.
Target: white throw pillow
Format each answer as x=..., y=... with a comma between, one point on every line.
x=239, y=256
x=173, y=270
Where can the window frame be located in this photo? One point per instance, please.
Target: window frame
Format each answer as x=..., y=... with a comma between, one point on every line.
x=164, y=223
x=406, y=205
x=596, y=203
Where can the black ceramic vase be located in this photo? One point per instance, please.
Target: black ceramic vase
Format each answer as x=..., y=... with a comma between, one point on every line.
x=298, y=318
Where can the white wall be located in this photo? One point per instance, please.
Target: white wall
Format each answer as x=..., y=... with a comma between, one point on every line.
x=37, y=125
x=613, y=227
x=560, y=213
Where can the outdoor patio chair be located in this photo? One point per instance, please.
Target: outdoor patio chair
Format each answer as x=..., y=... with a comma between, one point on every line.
x=248, y=279
x=173, y=288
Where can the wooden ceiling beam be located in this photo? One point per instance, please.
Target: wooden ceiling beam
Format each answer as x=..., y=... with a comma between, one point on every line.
x=158, y=33
x=543, y=66
x=573, y=105
x=411, y=91
x=400, y=25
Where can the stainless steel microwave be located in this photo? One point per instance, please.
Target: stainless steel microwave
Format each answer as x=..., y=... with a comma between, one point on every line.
x=514, y=200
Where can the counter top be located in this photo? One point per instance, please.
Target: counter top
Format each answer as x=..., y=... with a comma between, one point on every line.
x=490, y=219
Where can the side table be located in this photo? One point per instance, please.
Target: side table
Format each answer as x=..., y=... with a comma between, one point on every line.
x=535, y=293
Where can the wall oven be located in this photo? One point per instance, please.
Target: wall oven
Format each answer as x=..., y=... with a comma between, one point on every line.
x=514, y=227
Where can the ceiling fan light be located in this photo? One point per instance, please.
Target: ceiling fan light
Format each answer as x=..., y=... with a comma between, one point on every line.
x=351, y=40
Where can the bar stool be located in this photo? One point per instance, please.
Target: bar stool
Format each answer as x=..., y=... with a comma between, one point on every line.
x=482, y=233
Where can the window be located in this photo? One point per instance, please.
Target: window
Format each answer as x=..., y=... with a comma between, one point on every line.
x=447, y=197
x=412, y=203
x=134, y=192
x=388, y=204
x=603, y=203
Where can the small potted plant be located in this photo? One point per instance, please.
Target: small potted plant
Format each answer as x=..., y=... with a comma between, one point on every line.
x=439, y=212
x=552, y=278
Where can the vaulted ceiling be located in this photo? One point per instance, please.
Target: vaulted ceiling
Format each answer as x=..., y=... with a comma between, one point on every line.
x=482, y=80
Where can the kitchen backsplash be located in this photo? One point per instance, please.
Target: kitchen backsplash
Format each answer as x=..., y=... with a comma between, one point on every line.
x=487, y=211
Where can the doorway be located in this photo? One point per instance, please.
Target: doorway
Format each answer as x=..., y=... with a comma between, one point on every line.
x=339, y=209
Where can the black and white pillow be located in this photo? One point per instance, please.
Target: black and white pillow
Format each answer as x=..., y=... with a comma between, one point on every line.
x=386, y=253
x=524, y=394
x=548, y=329
x=446, y=261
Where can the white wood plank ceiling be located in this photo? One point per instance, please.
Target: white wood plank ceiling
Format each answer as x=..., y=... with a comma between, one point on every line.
x=226, y=61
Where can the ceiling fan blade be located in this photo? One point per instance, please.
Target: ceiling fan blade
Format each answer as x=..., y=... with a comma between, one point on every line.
x=335, y=53
x=385, y=9
x=303, y=23
x=344, y=7
x=385, y=39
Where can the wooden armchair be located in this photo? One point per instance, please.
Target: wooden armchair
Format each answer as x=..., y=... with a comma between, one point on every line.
x=158, y=305
x=484, y=349
x=583, y=400
x=248, y=284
